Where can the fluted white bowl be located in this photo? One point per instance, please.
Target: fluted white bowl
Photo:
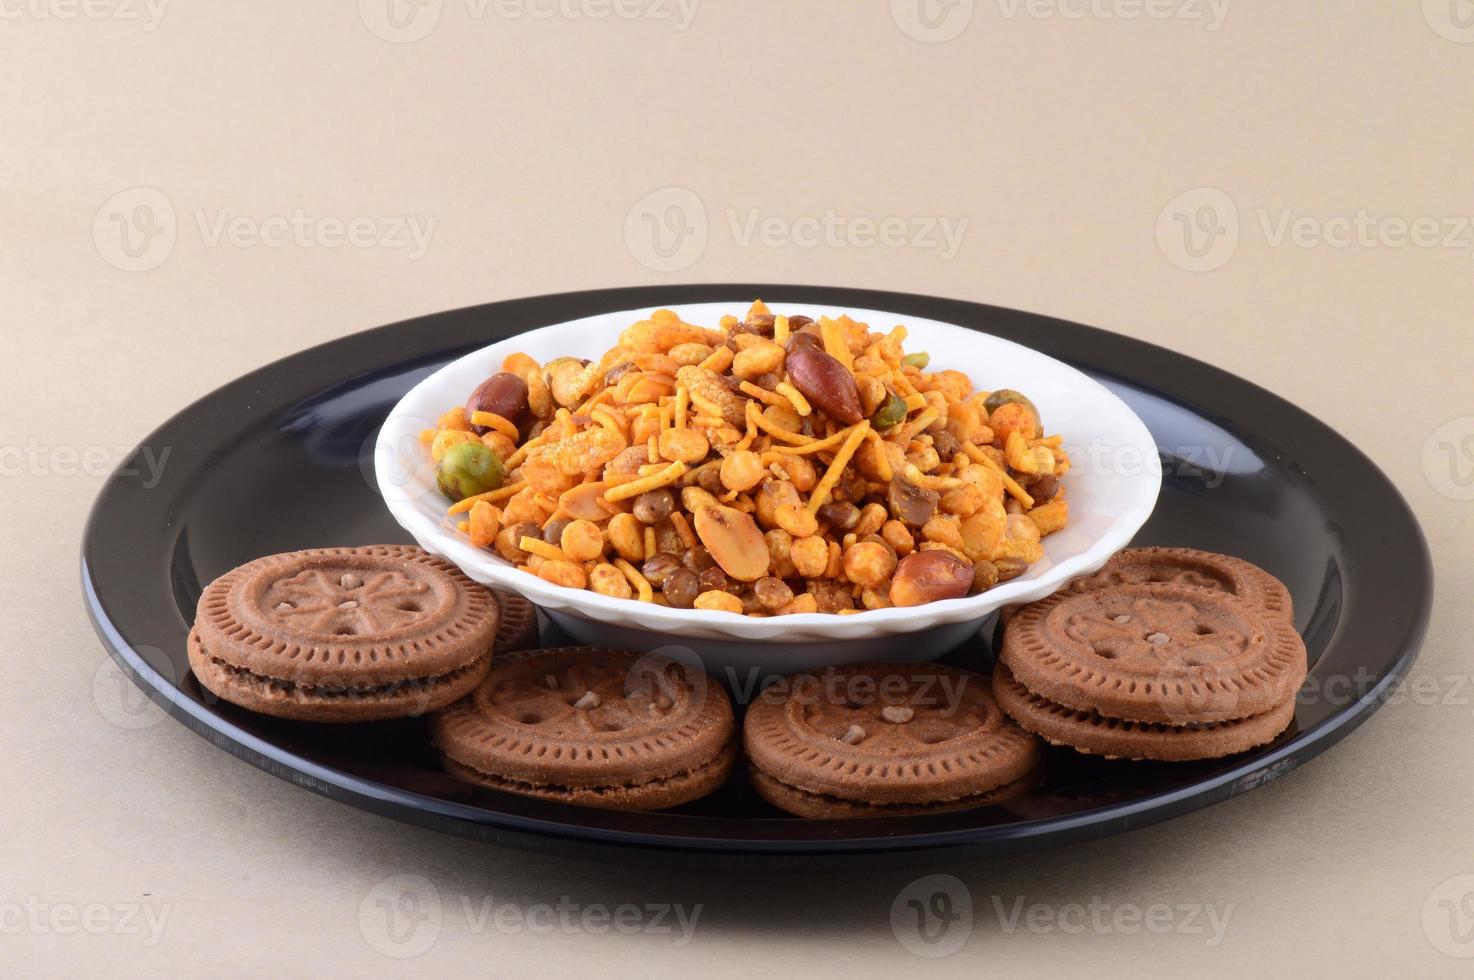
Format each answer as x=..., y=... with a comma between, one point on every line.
x=1112, y=488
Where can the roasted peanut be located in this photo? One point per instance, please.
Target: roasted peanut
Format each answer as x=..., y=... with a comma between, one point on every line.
x=627, y=536
x=929, y=576
x=683, y=445
x=826, y=383
x=734, y=541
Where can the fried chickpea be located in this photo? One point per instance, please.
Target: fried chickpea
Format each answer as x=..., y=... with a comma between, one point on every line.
x=582, y=541
x=872, y=518
x=564, y=573
x=926, y=458
x=772, y=593
x=810, y=556
x=878, y=598
x=774, y=494
x=741, y=470
x=869, y=564
x=800, y=473
x=683, y=445
x=717, y=601
x=872, y=393
x=627, y=536
x=898, y=537
x=801, y=604
x=499, y=444
x=796, y=520
x=691, y=353
x=446, y=438
x=757, y=360
x=943, y=529
x=780, y=559
x=963, y=501
x=506, y=540
x=605, y=579
x=783, y=417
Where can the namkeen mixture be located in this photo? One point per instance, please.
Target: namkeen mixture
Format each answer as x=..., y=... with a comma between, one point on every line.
x=768, y=466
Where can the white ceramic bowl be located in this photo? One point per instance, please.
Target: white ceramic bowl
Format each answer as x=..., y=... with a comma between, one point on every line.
x=1112, y=489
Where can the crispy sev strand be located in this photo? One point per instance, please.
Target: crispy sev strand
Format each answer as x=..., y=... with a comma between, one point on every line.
x=780, y=331
x=683, y=398
x=826, y=484
x=1053, y=442
x=916, y=426
x=834, y=343
x=683, y=528
x=516, y=459
x=828, y=442
x=535, y=546
x=593, y=400
x=752, y=415
x=1009, y=483
x=655, y=481
x=763, y=395
x=795, y=398
x=929, y=482
x=490, y=496
x=718, y=360
x=607, y=420
x=904, y=383
x=913, y=402
x=640, y=582
x=494, y=421
x=652, y=449
x=757, y=418
x=649, y=542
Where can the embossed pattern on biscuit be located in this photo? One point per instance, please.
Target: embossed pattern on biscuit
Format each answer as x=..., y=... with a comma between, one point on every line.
x=1168, y=653
x=934, y=735
x=577, y=717
x=344, y=634
x=1188, y=566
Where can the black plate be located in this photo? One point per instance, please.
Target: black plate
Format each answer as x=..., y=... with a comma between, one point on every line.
x=282, y=459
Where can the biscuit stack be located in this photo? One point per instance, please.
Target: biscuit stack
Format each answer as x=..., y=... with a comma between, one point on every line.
x=1167, y=654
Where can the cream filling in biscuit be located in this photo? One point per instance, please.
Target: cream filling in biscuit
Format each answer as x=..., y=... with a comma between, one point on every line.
x=279, y=685
x=524, y=787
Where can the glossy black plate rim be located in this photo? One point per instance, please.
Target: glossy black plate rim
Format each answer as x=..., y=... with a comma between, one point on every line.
x=1402, y=579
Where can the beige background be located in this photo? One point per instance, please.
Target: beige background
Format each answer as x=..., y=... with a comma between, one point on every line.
x=1063, y=144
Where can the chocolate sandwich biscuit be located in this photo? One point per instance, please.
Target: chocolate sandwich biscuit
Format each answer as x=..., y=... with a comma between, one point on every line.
x=343, y=634
x=871, y=739
x=602, y=728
